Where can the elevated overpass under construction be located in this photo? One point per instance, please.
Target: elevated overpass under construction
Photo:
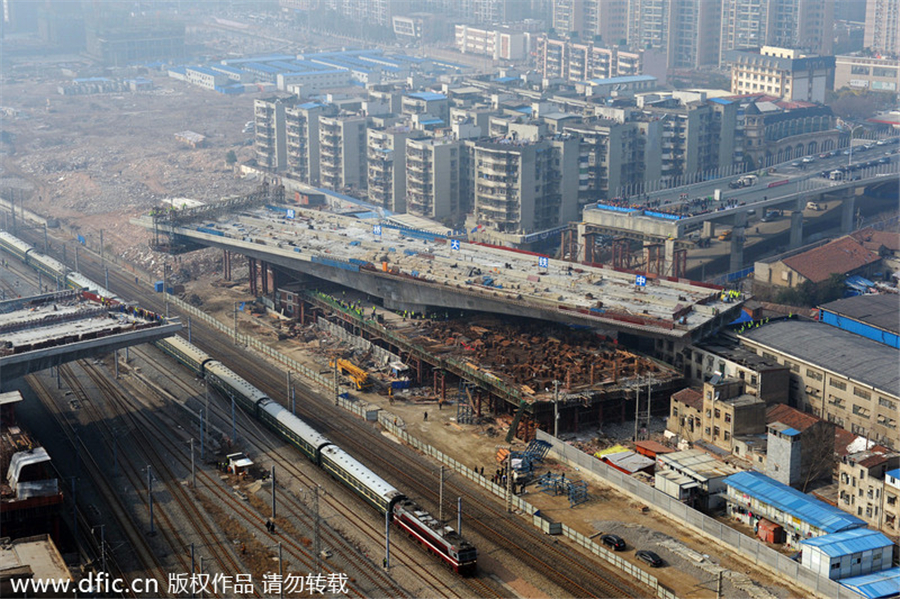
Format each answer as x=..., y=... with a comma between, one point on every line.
x=421, y=271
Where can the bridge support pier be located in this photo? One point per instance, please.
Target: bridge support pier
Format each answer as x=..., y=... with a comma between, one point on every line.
x=848, y=211
x=709, y=229
x=669, y=260
x=737, y=249
x=226, y=265
x=796, y=229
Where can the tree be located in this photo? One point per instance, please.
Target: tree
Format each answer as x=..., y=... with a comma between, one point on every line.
x=230, y=158
x=817, y=453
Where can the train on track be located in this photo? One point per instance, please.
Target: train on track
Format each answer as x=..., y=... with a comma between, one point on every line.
x=405, y=513
x=50, y=267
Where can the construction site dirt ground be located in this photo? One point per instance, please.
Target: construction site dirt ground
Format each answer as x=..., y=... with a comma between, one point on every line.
x=690, y=558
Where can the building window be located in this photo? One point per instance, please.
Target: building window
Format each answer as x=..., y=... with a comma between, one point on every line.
x=727, y=417
x=861, y=393
x=837, y=384
x=718, y=413
x=886, y=403
x=753, y=380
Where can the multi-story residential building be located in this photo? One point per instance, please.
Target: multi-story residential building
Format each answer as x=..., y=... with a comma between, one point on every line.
x=433, y=178
x=431, y=103
x=524, y=186
x=342, y=152
x=387, y=166
x=574, y=61
x=862, y=479
x=570, y=18
x=729, y=412
x=685, y=409
x=302, y=134
x=694, y=31
x=743, y=25
x=271, y=141
x=613, y=156
x=781, y=72
x=844, y=378
x=689, y=140
x=882, y=32
x=891, y=506
x=648, y=24
x=499, y=44
x=877, y=73
x=807, y=25
x=723, y=355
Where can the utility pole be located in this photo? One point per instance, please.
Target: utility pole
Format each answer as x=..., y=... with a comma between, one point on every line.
x=441, y=499
x=166, y=286
x=273, y=493
x=316, y=543
x=235, y=323
x=189, y=329
x=509, y=480
x=101, y=246
x=116, y=360
x=556, y=409
x=459, y=515
x=193, y=472
x=336, y=389
x=288, y=388
x=637, y=402
x=387, y=540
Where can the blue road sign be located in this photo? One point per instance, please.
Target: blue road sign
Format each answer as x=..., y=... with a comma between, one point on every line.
x=376, y=230
x=543, y=261
x=291, y=213
x=454, y=244
x=640, y=280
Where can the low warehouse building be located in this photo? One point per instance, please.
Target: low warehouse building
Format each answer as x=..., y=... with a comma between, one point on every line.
x=853, y=552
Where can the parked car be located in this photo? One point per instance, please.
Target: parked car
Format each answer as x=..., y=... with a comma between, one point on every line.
x=808, y=159
x=645, y=555
x=616, y=542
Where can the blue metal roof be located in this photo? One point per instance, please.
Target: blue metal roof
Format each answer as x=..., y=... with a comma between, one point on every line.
x=849, y=542
x=877, y=585
x=895, y=473
x=206, y=71
x=790, y=432
x=430, y=121
x=226, y=69
x=721, y=101
x=793, y=502
x=309, y=105
x=428, y=96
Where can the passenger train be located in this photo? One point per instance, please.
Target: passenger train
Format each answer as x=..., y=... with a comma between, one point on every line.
x=50, y=267
x=405, y=513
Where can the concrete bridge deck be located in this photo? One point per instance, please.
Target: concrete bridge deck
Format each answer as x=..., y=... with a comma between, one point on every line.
x=417, y=271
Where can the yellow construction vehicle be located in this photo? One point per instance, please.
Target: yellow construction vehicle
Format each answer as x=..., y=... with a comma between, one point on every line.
x=356, y=374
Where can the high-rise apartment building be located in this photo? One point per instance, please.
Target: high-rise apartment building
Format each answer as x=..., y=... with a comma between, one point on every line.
x=302, y=135
x=806, y=25
x=342, y=152
x=433, y=178
x=574, y=61
x=387, y=166
x=525, y=186
x=694, y=30
x=882, y=33
x=270, y=142
x=743, y=25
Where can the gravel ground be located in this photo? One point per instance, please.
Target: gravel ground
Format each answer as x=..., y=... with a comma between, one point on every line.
x=677, y=555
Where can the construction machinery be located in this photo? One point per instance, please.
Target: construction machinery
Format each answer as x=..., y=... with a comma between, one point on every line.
x=353, y=372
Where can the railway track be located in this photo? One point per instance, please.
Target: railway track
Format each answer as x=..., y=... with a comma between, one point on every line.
x=250, y=517
x=354, y=437
x=151, y=566
x=211, y=538
x=261, y=439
